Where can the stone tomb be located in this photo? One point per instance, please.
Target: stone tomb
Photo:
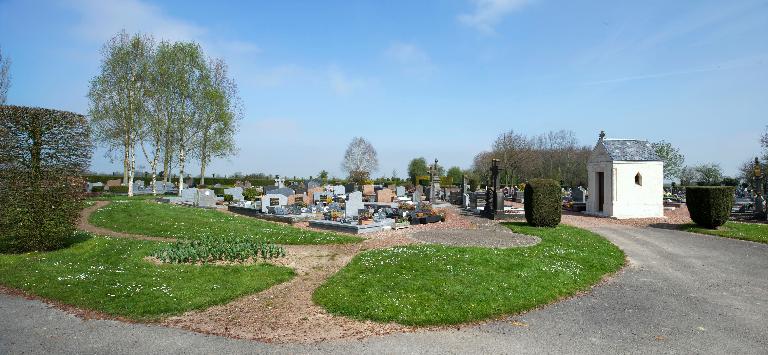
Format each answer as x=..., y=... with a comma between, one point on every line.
x=578, y=195
x=368, y=190
x=273, y=200
x=113, y=183
x=205, y=198
x=297, y=198
x=400, y=190
x=283, y=191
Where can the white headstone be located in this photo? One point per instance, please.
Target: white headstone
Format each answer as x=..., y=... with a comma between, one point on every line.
x=206, y=198
x=236, y=192
x=400, y=191
x=338, y=190
x=354, y=203
x=273, y=200
x=189, y=196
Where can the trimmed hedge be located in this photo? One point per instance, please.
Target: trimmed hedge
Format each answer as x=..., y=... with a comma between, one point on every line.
x=218, y=191
x=97, y=189
x=43, y=156
x=118, y=189
x=543, y=203
x=709, y=206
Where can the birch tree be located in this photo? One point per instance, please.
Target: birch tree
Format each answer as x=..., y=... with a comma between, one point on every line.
x=118, y=97
x=156, y=128
x=220, y=109
x=5, y=77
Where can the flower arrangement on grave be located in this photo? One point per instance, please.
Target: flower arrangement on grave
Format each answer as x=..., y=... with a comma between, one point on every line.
x=365, y=217
x=336, y=215
x=407, y=207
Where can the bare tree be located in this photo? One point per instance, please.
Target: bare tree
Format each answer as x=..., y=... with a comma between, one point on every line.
x=360, y=160
x=5, y=77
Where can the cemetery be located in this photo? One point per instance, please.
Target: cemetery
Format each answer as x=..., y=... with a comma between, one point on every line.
x=610, y=232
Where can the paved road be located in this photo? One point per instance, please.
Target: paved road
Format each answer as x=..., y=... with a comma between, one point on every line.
x=682, y=293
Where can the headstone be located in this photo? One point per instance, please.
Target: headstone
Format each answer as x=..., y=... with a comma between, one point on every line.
x=400, y=190
x=113, y=183
x=578, y=195
x=189, y=196
x=354, y=203
x=392, y=187
x=236, y=192
x=350, y=187
x=384, y=195
x=338, y=190
x=297, y=198
x=465, y=201
x=283, y=191
x=311, y=194
x=312, y=184
x=95, y=184
x=417, y=197
x=368, y=190
x=205, y=198
x=279, y=182
x=247, y=185
x=273, y=200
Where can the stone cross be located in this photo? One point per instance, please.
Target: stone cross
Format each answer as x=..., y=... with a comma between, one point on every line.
x=279, y=182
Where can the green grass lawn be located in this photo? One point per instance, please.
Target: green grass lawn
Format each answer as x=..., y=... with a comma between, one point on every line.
x=435, y=284
x=165, y=220
x=110, y=197
x=736, y=230
x=110, y=275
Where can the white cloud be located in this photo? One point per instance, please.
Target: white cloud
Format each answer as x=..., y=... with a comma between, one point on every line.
x=341, y=83
x=411, y=57
x=101, y=19
x=488, y=13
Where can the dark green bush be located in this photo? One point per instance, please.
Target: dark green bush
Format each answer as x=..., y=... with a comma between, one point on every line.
x=228, y=198
x=543, y=203
x=709, y=206
x=43, y=156
x=219, y=191
x=97, y=189
x=118, y=189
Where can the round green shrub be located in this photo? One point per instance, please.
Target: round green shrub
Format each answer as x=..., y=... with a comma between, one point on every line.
x=709, y=206
x=218, y=191
x=228, y=198
x=543, y=203
x=250, y=194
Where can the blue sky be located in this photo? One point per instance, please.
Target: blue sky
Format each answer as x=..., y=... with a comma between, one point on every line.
x=438, y=79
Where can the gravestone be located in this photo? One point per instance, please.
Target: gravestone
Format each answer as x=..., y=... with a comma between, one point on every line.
x=205, y=198
x=113, y=183
x=312, y=184
x=311, y=194
x=297, y=198
x=283, y=191
x=578, y=195
x=354, y=203
x=400, y=190
x=384, y=195
x=338, y=190
x=95, y=184
x=236, y=192
x=368, y=190
x=391, y=187
x=350, y=187
x=273, y=200
x=247, y=185
x=279, y=182
x=420, y=189
x=417, y=197
x=189, y=196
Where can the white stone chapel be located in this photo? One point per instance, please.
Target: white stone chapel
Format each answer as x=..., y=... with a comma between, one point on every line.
x=626, y=179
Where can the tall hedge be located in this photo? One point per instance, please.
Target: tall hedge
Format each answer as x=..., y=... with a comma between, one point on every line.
x=543, y=201
x=43, y=156
x=709, y=206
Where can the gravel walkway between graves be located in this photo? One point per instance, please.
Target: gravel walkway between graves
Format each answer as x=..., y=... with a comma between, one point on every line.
x=482, y=233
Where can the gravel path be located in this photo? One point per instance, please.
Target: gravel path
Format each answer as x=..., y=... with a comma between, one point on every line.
x=482, y=233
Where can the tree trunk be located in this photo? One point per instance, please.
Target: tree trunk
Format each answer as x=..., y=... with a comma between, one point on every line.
x=181, y=168
x=126, y=159
x=203, y=157
x=155, y=159
x=132, y=169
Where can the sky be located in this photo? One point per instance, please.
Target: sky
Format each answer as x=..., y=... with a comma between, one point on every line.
x=439, y=79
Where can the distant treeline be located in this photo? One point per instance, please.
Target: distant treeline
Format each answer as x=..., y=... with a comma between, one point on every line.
x=555, y=155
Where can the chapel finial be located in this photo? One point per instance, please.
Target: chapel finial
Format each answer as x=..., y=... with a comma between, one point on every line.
x=602, y=135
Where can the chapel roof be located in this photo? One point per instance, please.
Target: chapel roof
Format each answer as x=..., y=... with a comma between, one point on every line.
x=630, y=150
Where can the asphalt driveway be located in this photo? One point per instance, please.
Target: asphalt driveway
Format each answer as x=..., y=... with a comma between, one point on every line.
x=681, y=293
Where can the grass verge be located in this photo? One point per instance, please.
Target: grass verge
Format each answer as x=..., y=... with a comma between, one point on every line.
x=435, y=285
x=171, y=221
x=745, y=231
x=109, y=275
